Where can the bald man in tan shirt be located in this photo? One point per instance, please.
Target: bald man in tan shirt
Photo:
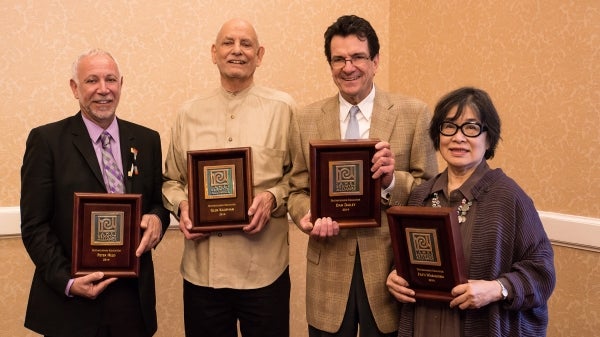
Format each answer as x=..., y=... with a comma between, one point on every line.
x=239, y=275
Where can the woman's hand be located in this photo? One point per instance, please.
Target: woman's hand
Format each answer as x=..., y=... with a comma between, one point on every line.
x=398, y=287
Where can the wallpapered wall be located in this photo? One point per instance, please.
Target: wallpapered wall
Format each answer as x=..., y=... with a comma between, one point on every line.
x=538, y=60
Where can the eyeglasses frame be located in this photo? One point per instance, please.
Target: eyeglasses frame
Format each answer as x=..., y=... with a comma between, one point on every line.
x=482, y=129
x=352, y=59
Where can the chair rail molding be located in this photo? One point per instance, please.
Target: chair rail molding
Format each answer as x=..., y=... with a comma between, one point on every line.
x=563, y=229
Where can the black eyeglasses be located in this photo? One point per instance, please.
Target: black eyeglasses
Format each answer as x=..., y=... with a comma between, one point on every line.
x=356, y=60
x=469, y=129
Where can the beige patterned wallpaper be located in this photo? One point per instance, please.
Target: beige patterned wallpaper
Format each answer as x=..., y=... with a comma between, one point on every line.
x=163, y=48
x=538, y=60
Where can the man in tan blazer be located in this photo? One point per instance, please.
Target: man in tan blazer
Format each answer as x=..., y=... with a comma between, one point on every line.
x=347, y=268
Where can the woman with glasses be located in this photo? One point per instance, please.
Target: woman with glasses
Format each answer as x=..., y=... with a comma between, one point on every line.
x=508, y=257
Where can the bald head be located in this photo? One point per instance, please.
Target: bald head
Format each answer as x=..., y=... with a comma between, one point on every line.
x=238, y=24
x=237, y=54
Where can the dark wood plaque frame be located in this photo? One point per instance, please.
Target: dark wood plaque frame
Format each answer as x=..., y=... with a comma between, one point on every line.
x=440, y=265
x=230, y=210
x=359, y=208
x=113, y=258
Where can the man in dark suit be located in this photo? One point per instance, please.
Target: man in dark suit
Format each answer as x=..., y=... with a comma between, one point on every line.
x=347, y=268
x=65, y=157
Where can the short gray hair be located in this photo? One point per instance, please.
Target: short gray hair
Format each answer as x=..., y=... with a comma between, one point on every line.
x=90, y=52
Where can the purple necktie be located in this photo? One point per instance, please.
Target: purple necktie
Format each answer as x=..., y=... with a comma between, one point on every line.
x=113, y=177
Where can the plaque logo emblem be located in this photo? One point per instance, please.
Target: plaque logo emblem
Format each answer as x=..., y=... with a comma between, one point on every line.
x=107, y=228
x=345, y=178
x=219, y=182
x=423, y=246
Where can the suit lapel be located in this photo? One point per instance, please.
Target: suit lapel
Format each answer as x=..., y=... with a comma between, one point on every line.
x=82, y=142
x=127, y=140
x=384, y=117
x=329, y=125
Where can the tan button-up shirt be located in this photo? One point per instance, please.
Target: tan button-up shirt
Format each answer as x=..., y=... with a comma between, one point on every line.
x=257, y=117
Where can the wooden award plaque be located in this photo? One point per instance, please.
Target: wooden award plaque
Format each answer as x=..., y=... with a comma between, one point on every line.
x=219, y=188
x=106, y=234
x=427, y=249
x=341, y=185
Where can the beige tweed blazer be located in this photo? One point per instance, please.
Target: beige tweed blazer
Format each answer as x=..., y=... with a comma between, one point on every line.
x=401, y=121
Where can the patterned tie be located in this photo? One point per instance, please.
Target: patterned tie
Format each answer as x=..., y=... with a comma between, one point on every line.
x=113, y=177
x=352, y=130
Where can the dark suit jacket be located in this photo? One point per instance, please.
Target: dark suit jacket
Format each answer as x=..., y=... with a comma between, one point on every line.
x=60, y=160
x=401, y=121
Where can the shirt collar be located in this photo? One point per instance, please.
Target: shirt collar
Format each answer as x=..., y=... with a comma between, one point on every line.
x=95, y=131
x=365, y=106
x=236, y=95
x=441, y=184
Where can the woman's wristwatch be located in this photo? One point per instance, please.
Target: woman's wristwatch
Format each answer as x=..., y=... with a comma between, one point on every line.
x=504, y=292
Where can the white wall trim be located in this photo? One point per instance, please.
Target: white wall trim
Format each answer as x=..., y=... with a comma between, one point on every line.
x=10, y=221
x=572, y=231
x=565, y=230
